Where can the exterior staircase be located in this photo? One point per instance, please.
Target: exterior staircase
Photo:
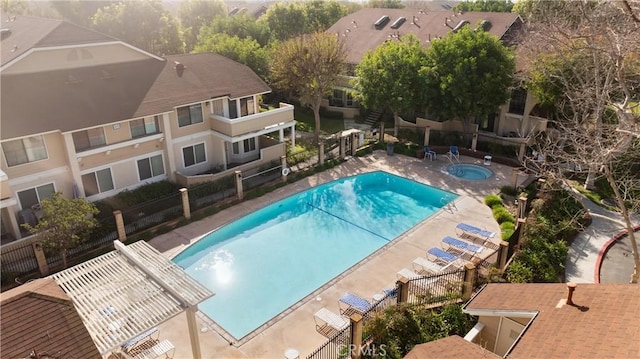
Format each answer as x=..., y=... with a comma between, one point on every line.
x=373, y=119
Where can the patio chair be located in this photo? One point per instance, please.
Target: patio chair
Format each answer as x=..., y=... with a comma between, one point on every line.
x=423, y=265
x=144, y=337
x=453, y=153
x=350, y=303
x=459, y=245
x=429, y=153
x=442, y=256
x=408, y=273
x=464, y=229
x=328, y=322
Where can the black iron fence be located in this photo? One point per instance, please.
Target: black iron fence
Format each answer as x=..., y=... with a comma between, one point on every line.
x=437, y=288
x=206, y=194
x=17, y=260
x=336, y=347
x=152, y=213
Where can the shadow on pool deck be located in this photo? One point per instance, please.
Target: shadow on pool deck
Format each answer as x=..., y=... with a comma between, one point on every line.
x=296, y=328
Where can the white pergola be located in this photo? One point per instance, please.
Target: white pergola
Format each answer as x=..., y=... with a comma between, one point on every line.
x=126, y=292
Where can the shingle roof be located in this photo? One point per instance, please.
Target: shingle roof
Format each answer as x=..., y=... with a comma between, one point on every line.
x=27, y=32
x=453, y=347
x=603, y=323
x=67, y=100
x=360, y=34
x=39, y=316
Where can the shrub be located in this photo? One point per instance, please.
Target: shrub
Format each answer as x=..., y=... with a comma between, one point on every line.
x=507, y=229
x=147, y=193
x=502, y=215
x=493, y=200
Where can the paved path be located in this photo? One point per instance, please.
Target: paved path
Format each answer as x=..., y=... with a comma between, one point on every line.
x=589, y=245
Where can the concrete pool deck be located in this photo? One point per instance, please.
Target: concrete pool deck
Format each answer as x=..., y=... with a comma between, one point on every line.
x=295, y=328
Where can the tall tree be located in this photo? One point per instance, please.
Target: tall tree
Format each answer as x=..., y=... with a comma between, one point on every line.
x=387, y=4
x=467, y=75
x=65, y=224
x=284, y=20
x=240, y=25
x=79, y=12
x=585, y=64
x=484, y=5
x=246, y=51
x=388, y=76
x=193, y=14
x=145, y=24
x=309, y=65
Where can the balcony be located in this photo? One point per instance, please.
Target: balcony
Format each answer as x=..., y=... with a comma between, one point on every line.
x=259, y=123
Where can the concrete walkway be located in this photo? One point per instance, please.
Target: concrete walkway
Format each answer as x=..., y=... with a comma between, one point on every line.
x=589, y=249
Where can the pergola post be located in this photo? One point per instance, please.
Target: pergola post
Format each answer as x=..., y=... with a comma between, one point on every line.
x=193, y=332
x=293, y=138
x=238, y=178
x=186, y=209
x=122, y=234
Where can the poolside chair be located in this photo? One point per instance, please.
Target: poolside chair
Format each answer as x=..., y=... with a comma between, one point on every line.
x=453, y=153
x=423, y=265
x=464, y=229
x=460, y=246
x=328, y=322
x=442, y=256
x=142, y=339
x=408, y=273
x=350, y=303
x=429, y=153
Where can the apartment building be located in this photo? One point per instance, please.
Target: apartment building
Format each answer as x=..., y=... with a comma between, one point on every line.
x=88, y=115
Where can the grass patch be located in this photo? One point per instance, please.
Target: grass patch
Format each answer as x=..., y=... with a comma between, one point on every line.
x=306, y=122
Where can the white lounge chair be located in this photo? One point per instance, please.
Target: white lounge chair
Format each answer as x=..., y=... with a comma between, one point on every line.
x=422, y=264
x=328, y=322
x=408, y=273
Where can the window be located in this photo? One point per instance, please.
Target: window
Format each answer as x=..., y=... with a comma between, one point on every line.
x=144, y=126
x=97, y=182
x=84, y=140
x=233, y=110
x=189, y=115
x=25, y=150
x=518, y=101
x=218, y=107
x=150, y=167
x=246, y=106
x=35, y=195
x=193, y=155
x=249, y=144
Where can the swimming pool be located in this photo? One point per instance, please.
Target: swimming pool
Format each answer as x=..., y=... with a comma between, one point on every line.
x=469, y=171
x=263, y=263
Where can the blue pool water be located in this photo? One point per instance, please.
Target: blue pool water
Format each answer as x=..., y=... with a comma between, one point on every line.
x=261, y=264
x=469, y=171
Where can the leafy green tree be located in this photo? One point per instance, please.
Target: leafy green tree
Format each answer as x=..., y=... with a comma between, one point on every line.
x=240, y=25
x=65, y=224
x=309, y=66
x=321, y=15
x=246, y=51
x=484, y=5
x=467, y=75
x=288, y=20
x=284, y=20
x=387, y=4
x=388, y=76
x=14, y=7
x=79, y=12
x=145, y=24
x=193, y=14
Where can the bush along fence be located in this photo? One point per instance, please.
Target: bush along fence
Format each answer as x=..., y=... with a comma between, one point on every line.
x=26, y=258
x=432, y=291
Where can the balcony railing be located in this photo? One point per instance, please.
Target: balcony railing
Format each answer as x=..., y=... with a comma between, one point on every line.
x=259, y=121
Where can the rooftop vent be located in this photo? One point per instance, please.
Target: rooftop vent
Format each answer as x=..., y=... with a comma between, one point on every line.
x=106, y=74
x=4, y=33
x=396, y=24
x=179, y=67
x=460, y=25
x=381, y=22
